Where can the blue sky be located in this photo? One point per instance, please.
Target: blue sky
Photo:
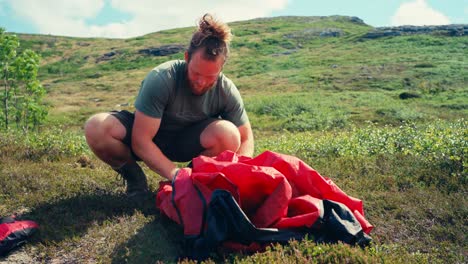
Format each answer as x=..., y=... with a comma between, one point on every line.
x=131, y=18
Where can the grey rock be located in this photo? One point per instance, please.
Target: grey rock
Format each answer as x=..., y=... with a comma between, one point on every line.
x=162, y=50
x=107, y=56
x=310, y=33
x=454, y=30
x=408, y=95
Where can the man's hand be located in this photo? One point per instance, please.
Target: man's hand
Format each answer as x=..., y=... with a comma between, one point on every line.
x=247, y=141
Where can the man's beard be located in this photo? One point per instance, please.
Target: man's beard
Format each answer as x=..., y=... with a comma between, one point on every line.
x=200, y=91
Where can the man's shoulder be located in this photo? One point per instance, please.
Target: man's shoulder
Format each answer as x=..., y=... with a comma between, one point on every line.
x=171, y=66
x=225, y=82
x=166, y=71
x=226, y=85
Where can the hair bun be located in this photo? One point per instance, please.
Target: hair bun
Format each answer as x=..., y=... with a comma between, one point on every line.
x=210, y=26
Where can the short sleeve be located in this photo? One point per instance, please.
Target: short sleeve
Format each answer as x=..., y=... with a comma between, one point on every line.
x=154, y=94
x=234, y=110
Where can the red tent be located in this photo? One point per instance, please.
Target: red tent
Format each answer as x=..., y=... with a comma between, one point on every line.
x=236, y=200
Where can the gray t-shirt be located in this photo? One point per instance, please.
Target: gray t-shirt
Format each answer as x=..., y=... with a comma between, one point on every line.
x=165, y=93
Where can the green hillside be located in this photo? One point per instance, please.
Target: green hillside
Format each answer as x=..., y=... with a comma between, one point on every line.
x=360, y=79
x=384, y=118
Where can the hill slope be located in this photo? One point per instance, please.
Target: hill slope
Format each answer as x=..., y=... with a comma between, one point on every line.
x=383, y=117
x=294, y=60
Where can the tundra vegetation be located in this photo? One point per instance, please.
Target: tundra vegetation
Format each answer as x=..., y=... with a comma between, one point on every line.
x=383, y=117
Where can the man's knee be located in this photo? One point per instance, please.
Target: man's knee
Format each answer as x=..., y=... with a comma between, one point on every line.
x=101, y=126
x=222, y=135
x=232, y=137
x=93, y=127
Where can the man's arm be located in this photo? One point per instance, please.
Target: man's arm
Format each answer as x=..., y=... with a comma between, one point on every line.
x=247, y=141
x=143, y=132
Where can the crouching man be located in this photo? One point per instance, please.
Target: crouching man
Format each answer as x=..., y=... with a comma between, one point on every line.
x=184, y=108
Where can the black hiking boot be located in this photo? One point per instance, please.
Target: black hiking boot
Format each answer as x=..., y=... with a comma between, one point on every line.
x=135, y=178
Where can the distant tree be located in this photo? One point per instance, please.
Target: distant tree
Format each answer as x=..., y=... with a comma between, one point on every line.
x=21, y=98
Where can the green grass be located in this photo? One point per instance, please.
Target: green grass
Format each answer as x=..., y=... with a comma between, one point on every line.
x=334, y=102
x=296, y=112
x=411, y=178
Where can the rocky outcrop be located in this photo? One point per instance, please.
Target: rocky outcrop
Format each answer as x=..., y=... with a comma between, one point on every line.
x=310, y=33
x=153, y=51
x=162, y=50
x=445, y=30
x=310, y=19
x=107, y=56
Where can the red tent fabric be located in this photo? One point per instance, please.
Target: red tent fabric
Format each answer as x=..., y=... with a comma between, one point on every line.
x=14, y=233
x=273, y=190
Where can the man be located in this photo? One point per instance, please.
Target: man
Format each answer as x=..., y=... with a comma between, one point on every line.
x=183, y=109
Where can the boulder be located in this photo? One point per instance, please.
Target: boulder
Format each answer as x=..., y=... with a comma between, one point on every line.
x=408, y=95
x=107, y=56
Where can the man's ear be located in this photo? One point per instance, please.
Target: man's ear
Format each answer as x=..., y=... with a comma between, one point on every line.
x=186, y=56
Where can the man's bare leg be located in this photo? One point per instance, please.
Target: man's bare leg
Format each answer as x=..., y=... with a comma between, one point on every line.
x=104, y=134
x=219, y=136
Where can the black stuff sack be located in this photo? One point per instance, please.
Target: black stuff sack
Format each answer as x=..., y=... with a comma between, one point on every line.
x=14, y=233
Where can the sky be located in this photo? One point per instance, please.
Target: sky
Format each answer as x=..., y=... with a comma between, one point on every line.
x=132, y=18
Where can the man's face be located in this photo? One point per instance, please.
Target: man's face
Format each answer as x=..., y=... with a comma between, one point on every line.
x=202, y=73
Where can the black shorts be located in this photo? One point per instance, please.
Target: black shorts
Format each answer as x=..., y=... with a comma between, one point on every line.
x=177, y=146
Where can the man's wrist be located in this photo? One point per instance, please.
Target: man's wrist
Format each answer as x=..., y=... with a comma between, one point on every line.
x=174, y=174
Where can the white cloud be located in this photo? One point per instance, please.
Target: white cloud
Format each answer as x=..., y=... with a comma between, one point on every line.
x=68, y=18
x=418, y=13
